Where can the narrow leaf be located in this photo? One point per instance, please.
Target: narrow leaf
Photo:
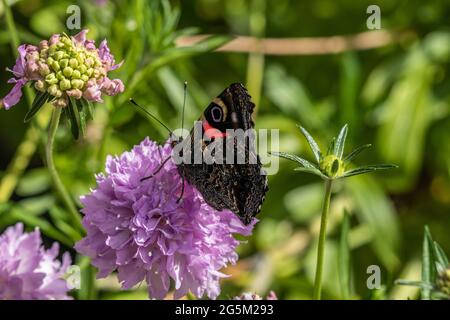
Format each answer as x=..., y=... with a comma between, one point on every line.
x=295, y=158
x=74, y=118
x=331, y=146
x=314, y=171
x=440, y=255
x=82, y=114
x=38, y=102
x=356, y=152
x=344, y=257
x=427, y=264
x=87, y=106
x=366, y=169
x=313, y=144
x=340, y=142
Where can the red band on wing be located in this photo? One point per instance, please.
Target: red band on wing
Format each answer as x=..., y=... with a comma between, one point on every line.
x=212, y=132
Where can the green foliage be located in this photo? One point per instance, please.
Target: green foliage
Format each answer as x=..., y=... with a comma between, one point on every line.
x=396, y=97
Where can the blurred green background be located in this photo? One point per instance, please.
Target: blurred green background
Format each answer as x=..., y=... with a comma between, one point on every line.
x=395, y=96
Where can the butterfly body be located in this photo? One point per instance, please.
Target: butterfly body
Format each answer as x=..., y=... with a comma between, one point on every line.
x=237, y=186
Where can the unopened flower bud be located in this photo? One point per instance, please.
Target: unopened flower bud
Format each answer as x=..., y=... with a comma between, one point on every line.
x=58, y=55
x=55, y=66
x=63, y=63
x=332, y=166
x=40, y=85
x=43, y=69
x=51, y=78
x=84, y=77
x=64, y=84
x=53, y=90
x=67, y=71
x=61, y=102
x=443, y=281
x=73, y=63
x=76, y=93
x=76, y=74
x=43, y=45
x=77, y=83
x=82, y=69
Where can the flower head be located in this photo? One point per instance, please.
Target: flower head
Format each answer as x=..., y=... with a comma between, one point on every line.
x=254, y=296
x=65, y=67
x=140, y=229
x=27, y=269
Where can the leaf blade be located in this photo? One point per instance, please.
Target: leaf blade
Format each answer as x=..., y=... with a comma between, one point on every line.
x=40, y=99
x=312, y=143
x=340, y=142
x=356, y=152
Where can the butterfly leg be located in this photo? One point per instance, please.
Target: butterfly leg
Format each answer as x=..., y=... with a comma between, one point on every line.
x=157, y=170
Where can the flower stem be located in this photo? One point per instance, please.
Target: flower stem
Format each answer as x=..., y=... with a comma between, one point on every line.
x=60, y=189
x=322, y=238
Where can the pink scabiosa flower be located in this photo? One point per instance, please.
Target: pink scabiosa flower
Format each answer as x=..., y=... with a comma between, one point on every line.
x=64, y=70
x=254, y=296
x=139, y=229
x=29, y=271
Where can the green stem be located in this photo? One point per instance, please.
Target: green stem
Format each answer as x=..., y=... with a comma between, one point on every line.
x=60, y=189
x=322, y=239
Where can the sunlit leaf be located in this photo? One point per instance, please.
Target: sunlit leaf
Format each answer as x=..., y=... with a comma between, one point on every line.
x=313, y=144
x=356, y=152
x=340, y=142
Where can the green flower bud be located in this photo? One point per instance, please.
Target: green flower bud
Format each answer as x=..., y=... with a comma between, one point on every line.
x=332, y=166
x=50, y=60
x=73, y=63
x=76, y=74
x=84, y=77
x=64, y=84
x=43, y=53
x=58, y=55
x=63, y=63
x=89, y=62
x=77, y=83
x=53, y=90
x=60, y=45
x=59, y=75
x=82, y=69
x=55, y=66
x=89, y=72
x=40, y=85
x=51, y=79
x=43, y=69
x=52, y=49
x=67, y=71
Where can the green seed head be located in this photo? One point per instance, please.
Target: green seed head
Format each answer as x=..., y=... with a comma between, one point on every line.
x=332, y=166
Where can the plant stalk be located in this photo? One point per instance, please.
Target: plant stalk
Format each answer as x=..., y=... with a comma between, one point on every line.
x=60, y=189
x=322, y=239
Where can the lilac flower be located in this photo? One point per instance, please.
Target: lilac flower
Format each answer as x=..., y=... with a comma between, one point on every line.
x=140, y=230
x=27, y=270
x=254, y=296
x=65, y=67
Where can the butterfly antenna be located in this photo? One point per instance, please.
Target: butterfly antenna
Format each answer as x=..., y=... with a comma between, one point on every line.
x=151, y=115
x=184, y=105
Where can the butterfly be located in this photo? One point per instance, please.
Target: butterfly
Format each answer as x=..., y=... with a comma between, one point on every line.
x=238, y=187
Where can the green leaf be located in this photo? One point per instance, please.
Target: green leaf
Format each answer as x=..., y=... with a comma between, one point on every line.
x=356, y=152
x=34, y=182
x=74, y=118
x=331, y=146
x=440, y=256
x=312, y=143
x=82, y=115
x=38, y=102
x=303, y=162
x=314, y=171
x=427, y=264
x=367, y=169
x=344, y=257
x=88, y=109
x=340, y=142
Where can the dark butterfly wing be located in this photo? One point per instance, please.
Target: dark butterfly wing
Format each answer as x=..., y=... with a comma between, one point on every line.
x=240, y=188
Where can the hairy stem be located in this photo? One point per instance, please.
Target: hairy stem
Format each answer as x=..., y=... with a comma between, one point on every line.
x=322, y=239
